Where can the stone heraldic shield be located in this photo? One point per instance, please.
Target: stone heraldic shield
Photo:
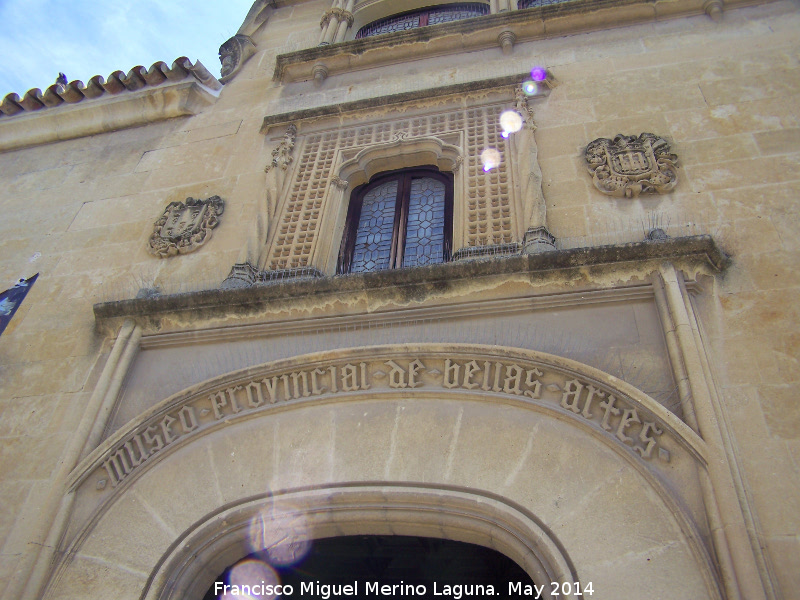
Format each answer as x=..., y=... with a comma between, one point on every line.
x=185, y=226
x=628, y=166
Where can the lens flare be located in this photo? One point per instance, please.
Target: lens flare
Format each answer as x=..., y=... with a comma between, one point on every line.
x=538, y=73
x=259, y=578
x=510, y=121
x=530, y=88
x=490, y=158
x=280, y=535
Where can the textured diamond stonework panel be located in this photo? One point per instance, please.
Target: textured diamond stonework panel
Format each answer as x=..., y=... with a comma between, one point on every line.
x=487, y=205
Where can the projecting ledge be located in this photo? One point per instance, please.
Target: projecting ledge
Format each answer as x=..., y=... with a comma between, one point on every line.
x=686, y=253
x=102, y=115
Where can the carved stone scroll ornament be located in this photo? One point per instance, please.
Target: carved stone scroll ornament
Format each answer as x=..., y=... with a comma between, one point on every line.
x=185, y=226
x=233, y=54
x=628, y=165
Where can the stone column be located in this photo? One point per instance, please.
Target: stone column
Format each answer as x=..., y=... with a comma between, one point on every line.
x=537, y=237
x=330, y=23
x=345, y=21
x=493, y=7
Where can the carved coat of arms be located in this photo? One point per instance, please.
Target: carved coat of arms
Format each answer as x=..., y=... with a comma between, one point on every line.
x=185, y=226
x=628, y=165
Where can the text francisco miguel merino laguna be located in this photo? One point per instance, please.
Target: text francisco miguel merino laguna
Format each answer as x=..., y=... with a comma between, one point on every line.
x=326, y=591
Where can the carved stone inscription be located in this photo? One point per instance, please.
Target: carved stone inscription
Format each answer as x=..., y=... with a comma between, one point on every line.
x=619, y=418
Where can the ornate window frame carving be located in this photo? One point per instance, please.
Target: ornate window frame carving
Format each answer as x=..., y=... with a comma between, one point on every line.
x=403, y=152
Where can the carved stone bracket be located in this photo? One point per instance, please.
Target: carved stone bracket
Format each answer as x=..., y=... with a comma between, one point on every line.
x=185, y=226
x=538, y=239
x=233, y=54
x=713, y=8
x=339, y=182
x=628, y=165
x=506, y=40
x=319, y=73
x=244, y=275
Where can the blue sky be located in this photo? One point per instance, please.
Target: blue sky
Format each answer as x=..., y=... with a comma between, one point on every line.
x=83, y=38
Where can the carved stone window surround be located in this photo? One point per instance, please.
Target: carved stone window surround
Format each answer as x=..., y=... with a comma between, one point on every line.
x=530, y=24
x=487, y=208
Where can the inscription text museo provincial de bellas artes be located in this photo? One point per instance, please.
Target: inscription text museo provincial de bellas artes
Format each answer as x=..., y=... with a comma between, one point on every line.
x=614, y=416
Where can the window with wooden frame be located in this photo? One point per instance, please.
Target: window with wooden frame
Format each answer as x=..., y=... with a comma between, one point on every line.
x=397, y=220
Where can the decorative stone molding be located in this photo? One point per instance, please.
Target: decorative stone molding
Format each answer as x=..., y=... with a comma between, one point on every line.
x=185, y=226
x=282, y=154
x=628, y=165
x=400, y=153
x=233, y=54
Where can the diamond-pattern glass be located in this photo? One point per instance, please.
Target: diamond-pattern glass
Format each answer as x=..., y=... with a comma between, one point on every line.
x=425, y=229
x=532, y=3
x=456, y=12
x=424, y=17
x=373, y=246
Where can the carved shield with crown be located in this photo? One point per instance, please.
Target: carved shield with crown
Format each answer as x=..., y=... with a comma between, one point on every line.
x=185, y=226
x=628, y=165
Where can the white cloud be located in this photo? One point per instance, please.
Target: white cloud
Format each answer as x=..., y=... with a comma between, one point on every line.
x=83, y=38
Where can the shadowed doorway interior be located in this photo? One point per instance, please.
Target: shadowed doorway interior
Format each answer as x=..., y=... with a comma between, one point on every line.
x=427, y=564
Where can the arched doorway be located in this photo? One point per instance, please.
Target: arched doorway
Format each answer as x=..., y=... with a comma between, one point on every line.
x=361, y=566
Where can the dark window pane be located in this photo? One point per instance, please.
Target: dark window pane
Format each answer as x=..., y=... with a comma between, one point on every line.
x=373, y=246
x=532, y=3
x=425, y=231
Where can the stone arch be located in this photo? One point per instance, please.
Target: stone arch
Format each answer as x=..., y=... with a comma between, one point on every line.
x=416, y=434
x=192, y=562
x=400, y=153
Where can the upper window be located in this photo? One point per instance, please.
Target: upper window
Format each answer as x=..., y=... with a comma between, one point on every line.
x=423, y=17
x=533, y=3
x=399, y=219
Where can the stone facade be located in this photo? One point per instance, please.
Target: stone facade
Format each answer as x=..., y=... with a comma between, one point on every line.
x=598, y=385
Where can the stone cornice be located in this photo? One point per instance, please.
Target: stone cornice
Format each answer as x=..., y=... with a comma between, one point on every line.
x=393, y=99
x=687, y=252
x=553, y=20
x=72, y=111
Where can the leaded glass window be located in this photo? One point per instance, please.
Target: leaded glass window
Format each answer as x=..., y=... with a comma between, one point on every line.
x=423, y=17
x=400, y=219
x=533, y=3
